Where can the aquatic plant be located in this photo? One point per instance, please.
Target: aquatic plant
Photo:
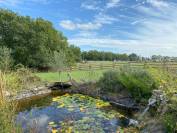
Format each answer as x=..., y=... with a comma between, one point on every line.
x=79, y=101
x=93, y=111
x=85, y=125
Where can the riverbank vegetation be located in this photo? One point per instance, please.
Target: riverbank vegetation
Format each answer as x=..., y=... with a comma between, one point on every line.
x=137, y=81
x=7, y=108
x=167, y=81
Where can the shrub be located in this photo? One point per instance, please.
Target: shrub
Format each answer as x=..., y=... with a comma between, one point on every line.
x=6, y=60
x=137, y=81
x=110, y=82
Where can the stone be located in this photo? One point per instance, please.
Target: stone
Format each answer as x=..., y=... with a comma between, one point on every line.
x=133, y=123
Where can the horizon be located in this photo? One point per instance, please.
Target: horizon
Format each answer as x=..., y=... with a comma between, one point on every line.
x=144, y=27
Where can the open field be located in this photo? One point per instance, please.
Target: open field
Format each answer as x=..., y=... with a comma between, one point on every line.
x=77, y=75
x=93, y=70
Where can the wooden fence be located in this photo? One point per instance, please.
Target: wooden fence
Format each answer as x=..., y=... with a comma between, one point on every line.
x=116, y=65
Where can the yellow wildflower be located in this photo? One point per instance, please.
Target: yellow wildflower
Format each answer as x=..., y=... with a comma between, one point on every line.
x=54, y=131
x=61, y=106
x=69, y=130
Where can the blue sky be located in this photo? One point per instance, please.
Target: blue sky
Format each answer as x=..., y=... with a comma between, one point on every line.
x=145, y=27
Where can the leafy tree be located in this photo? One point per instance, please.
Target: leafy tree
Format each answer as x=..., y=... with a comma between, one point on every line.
x=133, y=57
x=76, y=53
x=32, y=41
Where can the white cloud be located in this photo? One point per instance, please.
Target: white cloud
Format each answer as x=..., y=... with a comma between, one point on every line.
x=89, y=26
x=105, y=19
x=90, y=5
x=138, y=21
x=96, y=4
x=156, y=34
x=158, y=3
x=17, y=2
x=97, y=23
x=86, y=34
x=112, y=3
x=67, y=24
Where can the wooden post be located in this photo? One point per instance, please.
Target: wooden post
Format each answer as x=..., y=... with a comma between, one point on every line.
x=90, y=66
x=113, y=65
x=101, y=66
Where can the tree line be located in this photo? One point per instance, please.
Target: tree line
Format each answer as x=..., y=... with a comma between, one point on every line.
x=94, y=55
x=32, y=42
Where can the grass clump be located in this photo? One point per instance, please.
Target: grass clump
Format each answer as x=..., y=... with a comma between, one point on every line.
x=7, y=109
x=138, y=82
x=21, y=79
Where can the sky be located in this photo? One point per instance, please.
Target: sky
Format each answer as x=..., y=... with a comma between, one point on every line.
x=145, y=27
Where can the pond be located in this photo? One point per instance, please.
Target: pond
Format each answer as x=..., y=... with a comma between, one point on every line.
x=67, y=113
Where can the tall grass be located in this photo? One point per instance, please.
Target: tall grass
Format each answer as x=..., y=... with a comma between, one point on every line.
x=7, y=109
x=11, y=83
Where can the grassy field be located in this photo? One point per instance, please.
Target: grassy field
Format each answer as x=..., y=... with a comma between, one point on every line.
x=76, y=75
x=82, y=72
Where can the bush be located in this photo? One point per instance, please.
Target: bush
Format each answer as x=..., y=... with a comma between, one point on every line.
x=110, y=82
x=137, y=81
x=6, y=60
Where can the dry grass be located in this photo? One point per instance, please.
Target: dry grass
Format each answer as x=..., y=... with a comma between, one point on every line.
x=7, y=109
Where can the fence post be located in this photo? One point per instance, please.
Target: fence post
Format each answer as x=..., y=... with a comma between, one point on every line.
x=113, y=65
x=101, y=66
x=129, y=64
x=90, y=66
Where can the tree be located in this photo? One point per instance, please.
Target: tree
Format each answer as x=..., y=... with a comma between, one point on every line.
x=133, y=57
x=32, y=41
x=94, y=55
x=58, y=62
x=6, y=61
x=76, y=53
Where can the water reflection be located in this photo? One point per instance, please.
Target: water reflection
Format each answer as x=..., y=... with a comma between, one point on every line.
x=76, y=113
